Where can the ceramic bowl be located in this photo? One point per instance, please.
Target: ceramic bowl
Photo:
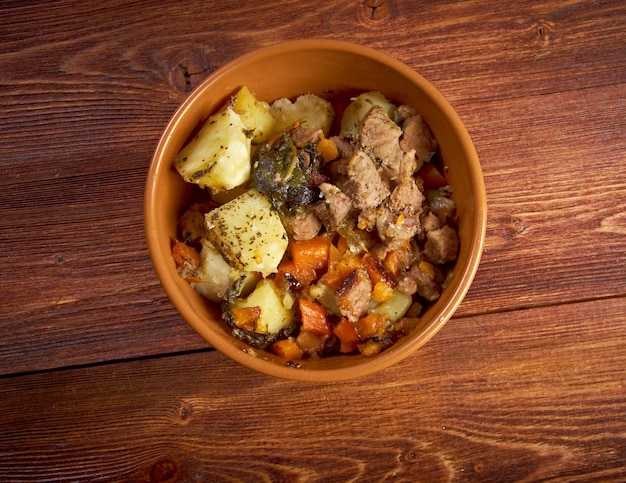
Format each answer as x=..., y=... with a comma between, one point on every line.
x=326, y=68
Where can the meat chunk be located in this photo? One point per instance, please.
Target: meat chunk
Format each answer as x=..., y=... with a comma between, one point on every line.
x=395, y=230
x=400, y=217
x=379, y=135
x=302, y=226
x=414, y=280
x=430, y=222
x=346, y=145
x=365, y=186
x=406, y=198
x=416, y=136
x=354, y=294
x=442, y=245
x=338, y=204
x=303, y=135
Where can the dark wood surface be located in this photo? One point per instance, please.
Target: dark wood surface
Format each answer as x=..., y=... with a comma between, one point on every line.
x=102, y=380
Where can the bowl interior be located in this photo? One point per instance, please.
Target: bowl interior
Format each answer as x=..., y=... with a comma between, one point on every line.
x=332, y=70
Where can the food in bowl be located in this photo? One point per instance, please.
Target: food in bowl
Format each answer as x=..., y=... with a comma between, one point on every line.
x=320, y=228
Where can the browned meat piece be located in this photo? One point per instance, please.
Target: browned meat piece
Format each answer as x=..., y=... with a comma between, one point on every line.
x=415, y=281
x=399, y=221
x=395, y=230
x=338, y=170
x=442, y=245
x=406, y=198
x=367, y=218
x=354, y=294
x=303, y=135
x=338, y=203
x=365, y=186
x=416, y=136
x=191, y=224
x=430, y=222
x=302, y=227
x=381, y=136
x=346, y=145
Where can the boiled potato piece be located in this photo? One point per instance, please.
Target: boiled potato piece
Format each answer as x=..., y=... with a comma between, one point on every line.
x=254, y=114
x=361, y=105
x=215, y=272
x=394, y=308
x=274, y=315
x=218, y=157
x=311, y=110
x=248, y=233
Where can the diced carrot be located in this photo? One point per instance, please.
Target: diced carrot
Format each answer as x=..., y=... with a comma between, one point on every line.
x=288, y=272
x=334, y=277
x=287, y=348
x=398, y=259
x=311, y=253
x=184, y=255
x=310, y=343
x=342, y=244
x=246, y=317
x=377, y=271
x=314, y=317
x=382, y=292
x=427, y=269
x=328, y=149
x=371, y=348
x=371, y=325
x=431, y=176
x=347, y=335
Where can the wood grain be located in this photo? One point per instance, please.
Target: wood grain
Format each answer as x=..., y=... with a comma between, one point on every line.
x=522, y=396
x=101, y=379
x=77, y=284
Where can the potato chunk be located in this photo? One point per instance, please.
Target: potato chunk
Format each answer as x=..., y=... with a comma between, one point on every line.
x=215, y=273
x=248, y=233
x=311, y=110
x=361, y=105
x=218, y=157
x=274, y=316
x=254, y=114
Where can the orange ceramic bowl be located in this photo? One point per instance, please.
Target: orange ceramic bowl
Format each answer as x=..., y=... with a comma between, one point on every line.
x=326, y=68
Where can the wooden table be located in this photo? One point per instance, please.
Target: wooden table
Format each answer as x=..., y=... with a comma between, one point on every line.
x=102, y=380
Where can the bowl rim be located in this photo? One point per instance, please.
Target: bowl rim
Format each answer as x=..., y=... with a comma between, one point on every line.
x=388, y=357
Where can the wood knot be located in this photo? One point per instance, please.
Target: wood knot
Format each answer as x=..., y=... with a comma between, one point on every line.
x=164, y=470
x=519, y=226
x=375, y=13
x=185, y=411
x=188, y=68
x=543, y=31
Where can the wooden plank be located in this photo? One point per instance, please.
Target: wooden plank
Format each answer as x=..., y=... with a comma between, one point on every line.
x=556, y=195
x=77, y=285
x=524, y=396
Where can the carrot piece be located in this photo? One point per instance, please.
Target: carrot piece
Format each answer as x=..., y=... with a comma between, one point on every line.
x=312, y=253
x=371, y=325
x=347, y=335
x=334, y=277
x=314, y=317
x=342, y=244
x=377, y=271
x=398, y=260
x=287, y=348
x=288, y=272
x=431, y=176
x=427, y=269
x=246, y=317
x=327, y=149
x=185, y=256
x=382, y=292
